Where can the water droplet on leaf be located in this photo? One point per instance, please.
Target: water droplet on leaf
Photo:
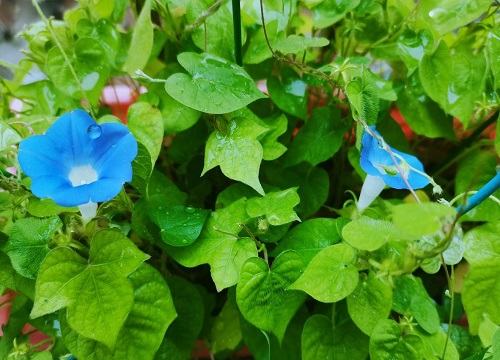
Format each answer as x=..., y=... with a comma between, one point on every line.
x=113, y=145
x=94, y=131
x=190, y=210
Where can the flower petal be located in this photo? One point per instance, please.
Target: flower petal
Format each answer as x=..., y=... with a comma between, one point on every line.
x=372, y=187
x=374, y=158
x=104, y=190
x=112, y=147
x=38, y=157
x=70, y=135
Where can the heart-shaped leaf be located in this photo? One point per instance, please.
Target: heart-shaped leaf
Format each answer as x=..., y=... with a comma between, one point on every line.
x=213, y=85
x=96, y=292
x=330, y=276
x=262, y=296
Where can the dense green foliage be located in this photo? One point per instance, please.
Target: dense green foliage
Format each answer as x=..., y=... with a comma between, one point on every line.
x=240, y=226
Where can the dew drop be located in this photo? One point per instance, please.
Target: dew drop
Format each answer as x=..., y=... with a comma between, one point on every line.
x=113, y=145
x=94, y=131
x=184, y=241
x=190, y=210
x=184, y=225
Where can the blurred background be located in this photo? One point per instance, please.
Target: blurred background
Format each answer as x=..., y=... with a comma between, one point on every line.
x=16, y=15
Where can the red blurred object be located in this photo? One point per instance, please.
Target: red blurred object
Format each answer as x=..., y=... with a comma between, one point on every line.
x=396, y=115
x=35, y=336
x=119, y=98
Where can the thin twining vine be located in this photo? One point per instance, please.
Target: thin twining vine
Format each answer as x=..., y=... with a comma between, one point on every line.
x=66, y=59
x=201, y=19
x=302, y=66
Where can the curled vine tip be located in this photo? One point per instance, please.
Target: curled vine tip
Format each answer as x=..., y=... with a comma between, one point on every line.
x=78, y=161
x=379, y=159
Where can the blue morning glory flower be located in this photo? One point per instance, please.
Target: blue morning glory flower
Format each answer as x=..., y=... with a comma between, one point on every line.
x=381, y=170
x=78, y=161
x=377, y=161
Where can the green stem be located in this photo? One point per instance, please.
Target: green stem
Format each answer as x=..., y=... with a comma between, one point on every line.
x=66, y=59
x=451, y=290
x=237, y=32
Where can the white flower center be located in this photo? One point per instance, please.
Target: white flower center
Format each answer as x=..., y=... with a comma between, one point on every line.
x=81, y=175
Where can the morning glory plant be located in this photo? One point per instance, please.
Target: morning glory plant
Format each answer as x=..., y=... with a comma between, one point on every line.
x=78, y=162
x=386, y=166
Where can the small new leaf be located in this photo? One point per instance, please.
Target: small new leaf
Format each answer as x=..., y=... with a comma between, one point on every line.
x=277, y=207
x=237, y=152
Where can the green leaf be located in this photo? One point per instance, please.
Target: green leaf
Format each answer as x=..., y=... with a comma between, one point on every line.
x=273, y=149
x=481, y=287
x=176, y=116
x=330, y=276
x=219, y=246
x=423, y=115
x=410, y=298
x=312, y=236
x=446, y=15
x=370, y=303
x=363, y=95
x=289, y=92
x=141, y=44
x=216, y=36
x=8, y=136
x=143, y=331
x=141, y=169
x=495, y=344
x=474, y=171
x=146, y=124
x=226, y=332
x=182, y=334
x=180, y=225
x=486, y=330
x=319, y=139
x=47, y=207
x=434, y=345
x=493, y=55
x=295, y=44
x=420, y=219
x=104, y=32
x=96, y=292
x=237, y=152
x=213, y=85
x=313, y=183
x=258, y=50
x=328, y=12
x=277, y=207
x=323, y=340
x=412, y=46
x=262, y=295
x=29, y=242
x=90, y=63
x=381, y=232
x=454, y=82
x=10, y=278
x=387, y=341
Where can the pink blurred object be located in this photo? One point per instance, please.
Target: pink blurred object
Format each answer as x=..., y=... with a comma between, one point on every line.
x=119, y=98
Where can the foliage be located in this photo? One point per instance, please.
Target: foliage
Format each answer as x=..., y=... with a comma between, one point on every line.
x=241, y=226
